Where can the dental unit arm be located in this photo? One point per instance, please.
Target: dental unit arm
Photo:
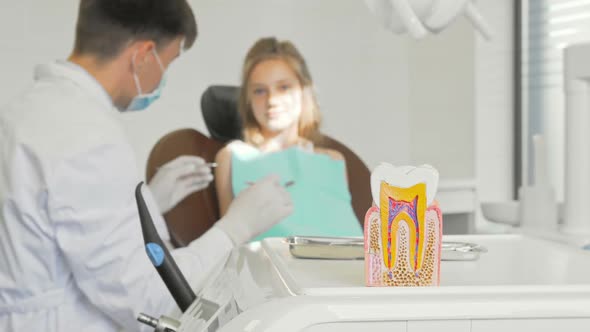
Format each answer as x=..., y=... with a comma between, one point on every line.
x=420, y=17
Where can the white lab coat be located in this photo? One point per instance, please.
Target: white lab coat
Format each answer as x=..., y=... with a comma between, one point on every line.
x=71, y=249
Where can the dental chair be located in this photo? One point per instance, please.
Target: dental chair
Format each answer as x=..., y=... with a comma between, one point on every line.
x=199, y=211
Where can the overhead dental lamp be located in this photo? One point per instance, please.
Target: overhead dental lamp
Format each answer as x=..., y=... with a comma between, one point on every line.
x=420, y=18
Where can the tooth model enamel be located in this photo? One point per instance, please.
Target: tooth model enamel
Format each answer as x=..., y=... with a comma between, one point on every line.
x=404, y=177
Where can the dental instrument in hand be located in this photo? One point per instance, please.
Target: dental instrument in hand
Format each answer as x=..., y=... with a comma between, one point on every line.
x=286, y=185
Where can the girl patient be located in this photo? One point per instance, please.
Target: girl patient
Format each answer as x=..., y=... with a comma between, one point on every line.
x=281, y=119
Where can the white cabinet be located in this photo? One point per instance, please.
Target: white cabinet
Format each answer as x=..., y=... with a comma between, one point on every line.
x=458, y=200
x=400, y=326
x=489, y=325
x=536, y=325
x=439, y=326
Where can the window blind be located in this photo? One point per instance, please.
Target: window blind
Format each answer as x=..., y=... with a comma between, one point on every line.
x=548, y=27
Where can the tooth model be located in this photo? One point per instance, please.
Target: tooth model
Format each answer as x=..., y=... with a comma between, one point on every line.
x=403, y=228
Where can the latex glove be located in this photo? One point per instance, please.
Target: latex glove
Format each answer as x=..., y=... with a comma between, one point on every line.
x=256, y=209
x=178, y=179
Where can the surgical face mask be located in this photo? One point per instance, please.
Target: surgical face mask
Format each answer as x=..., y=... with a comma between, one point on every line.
x=143, y=100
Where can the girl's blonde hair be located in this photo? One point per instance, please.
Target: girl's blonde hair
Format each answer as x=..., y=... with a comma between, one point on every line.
x=271, y=49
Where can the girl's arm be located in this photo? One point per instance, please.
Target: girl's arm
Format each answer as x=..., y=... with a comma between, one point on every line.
x=223, y=180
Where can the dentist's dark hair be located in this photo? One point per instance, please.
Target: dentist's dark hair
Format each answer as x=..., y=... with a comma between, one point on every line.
x=106, y=27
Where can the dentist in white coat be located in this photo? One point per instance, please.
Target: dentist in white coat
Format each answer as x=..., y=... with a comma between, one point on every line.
x=71, y=249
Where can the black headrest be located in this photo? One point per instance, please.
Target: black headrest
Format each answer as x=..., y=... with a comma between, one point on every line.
x=219, y=105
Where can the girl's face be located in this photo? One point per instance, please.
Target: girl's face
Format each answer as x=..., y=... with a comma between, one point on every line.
x=275, y=96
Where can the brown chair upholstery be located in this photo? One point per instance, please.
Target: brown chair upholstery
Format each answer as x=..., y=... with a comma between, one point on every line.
x=198, y=212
